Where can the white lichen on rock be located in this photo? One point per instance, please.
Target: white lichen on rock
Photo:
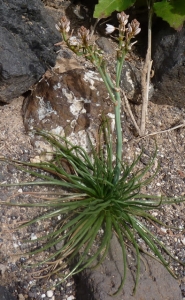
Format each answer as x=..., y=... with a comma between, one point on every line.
x=90, y=77
x=45, y=109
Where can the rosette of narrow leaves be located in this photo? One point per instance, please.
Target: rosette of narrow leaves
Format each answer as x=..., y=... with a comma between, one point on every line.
x=91, y=200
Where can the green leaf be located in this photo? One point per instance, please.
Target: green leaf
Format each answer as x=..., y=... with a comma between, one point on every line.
x=105, y=7
x=172, y=12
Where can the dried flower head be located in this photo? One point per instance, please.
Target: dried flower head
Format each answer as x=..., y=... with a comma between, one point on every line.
x=122, y=18
x=109, y=28
x=63, y=25
x=133, y=27
x=84, y=35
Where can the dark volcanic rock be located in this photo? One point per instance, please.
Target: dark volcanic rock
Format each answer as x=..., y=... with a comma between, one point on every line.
x=5, y=295
x=27, y=38
x=155, y=282
x=169, y=66
x=131, y=81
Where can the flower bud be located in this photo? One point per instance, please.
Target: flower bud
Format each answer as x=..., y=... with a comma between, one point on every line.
x=131, y=44
x=63, y=25
x=83, y=33
x=109, y=29
x=129, y=29
x=57, y=27
x=73, y=41
x=135, y=27
x=122, y=18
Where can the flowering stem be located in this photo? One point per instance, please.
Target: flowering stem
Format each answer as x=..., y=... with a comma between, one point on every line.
x=109, y=80
x=116, y=99
x=103, y=74
x=117, y=110
x=109, y=88
x=114, y=93
x=82, y=46
x=119, y=67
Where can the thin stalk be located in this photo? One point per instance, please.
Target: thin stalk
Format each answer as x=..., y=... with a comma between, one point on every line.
x=119, y=67
x=145, y=81
x=130, y=113
x=116, y=99
x=102, y=73
x=117, y=111
x=118, y=75
x=109, y=80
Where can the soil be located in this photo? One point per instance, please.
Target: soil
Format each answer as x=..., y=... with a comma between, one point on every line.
x=15, y=143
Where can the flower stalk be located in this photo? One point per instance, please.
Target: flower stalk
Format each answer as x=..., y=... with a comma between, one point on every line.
x=81, y=46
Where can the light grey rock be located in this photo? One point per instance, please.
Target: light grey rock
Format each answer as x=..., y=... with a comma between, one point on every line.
x=105, y=45
x=155, y=282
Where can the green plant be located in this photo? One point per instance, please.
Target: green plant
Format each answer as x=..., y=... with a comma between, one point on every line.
x=89, y=200
x=96, y=191
x=82, y=45
x=171, y=11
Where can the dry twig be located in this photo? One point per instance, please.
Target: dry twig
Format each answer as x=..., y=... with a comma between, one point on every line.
x=145, y=79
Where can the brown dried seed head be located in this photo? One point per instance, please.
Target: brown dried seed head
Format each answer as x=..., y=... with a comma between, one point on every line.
x=122, y=18
x=135, y=27
x=83, y=33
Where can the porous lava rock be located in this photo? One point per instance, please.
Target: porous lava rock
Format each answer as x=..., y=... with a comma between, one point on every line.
x=68, y=103
x=100, y=283
x=27, y=38
x=169, y=66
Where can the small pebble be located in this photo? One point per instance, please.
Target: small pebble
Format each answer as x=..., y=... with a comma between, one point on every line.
x=70, y=283
x=163, y=230
x=33, y=237
x=21, y=297
x=49, y=294
x=155, y=213
x=183, y=241
x=43, y=295
x=71, y=297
